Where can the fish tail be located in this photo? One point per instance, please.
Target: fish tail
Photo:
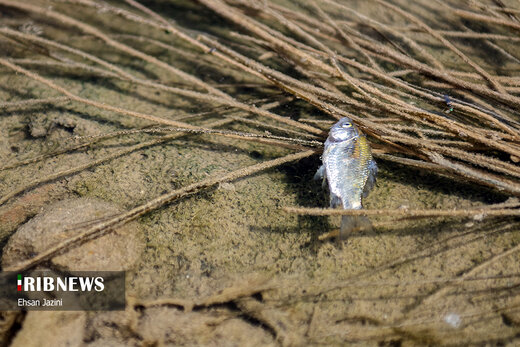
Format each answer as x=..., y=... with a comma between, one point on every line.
x=351, y=224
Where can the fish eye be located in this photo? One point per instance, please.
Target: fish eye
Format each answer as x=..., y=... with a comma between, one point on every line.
x=346, y=125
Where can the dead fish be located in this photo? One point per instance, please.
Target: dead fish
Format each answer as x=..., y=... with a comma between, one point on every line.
x=349, y=170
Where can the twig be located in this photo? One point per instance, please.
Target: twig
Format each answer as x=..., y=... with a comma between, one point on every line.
x=100, y=229
x=404, y=212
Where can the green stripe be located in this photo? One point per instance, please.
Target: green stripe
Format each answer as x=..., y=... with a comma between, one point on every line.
x=19, y=277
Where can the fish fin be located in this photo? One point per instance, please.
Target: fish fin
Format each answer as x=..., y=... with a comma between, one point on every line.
x=371, y=180
x=335, y=201
x=351, y=224
x=320, y=173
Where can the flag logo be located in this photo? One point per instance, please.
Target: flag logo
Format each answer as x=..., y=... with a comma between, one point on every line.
x=19, y=282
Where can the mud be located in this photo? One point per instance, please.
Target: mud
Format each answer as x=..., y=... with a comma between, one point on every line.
x=117, y=251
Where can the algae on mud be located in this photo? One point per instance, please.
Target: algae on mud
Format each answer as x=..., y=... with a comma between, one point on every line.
x=395, y=285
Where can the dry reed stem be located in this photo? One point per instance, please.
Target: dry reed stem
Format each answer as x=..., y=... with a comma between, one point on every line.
x=413, y=163
x=423, y=92
x=439, y=246
x=66, y=67
x=44, y=156
x=439, y=85
x=266, y=139
x=468, y=274
x=505, y=53
x=102, y=228
x=188, y=93
x=506, y=80
x=118, y=109
x=236, y=134
x=272, y=127
x=413, y=44
x=329, y=108
x=427, y=70
x=365, y=19
x=76, y=169
x=453, y=167
x=18, y=105
x=285, y=331
x=276, y=77
x=476, y=175
x=245, y=288
x=89, y=102
x=477, y=159
x=449, y=125
x=487, y=19
x=265, y=33
x=501, y=8
x=476, y=35
x=220, y=96
x=164, y=26
x=494, y=83
x=511, y=131
x=508, y=129
x=84, y=55
x=487, y=212
x=435, y=280
x=97, y=138
x=88, y=29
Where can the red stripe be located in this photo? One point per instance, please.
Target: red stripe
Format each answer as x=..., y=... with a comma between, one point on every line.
x=19, y=288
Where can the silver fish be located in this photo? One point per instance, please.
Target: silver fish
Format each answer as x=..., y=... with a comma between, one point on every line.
x=349, y=170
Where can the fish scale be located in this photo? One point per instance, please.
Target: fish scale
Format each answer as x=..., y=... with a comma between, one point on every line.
x=348, y=168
